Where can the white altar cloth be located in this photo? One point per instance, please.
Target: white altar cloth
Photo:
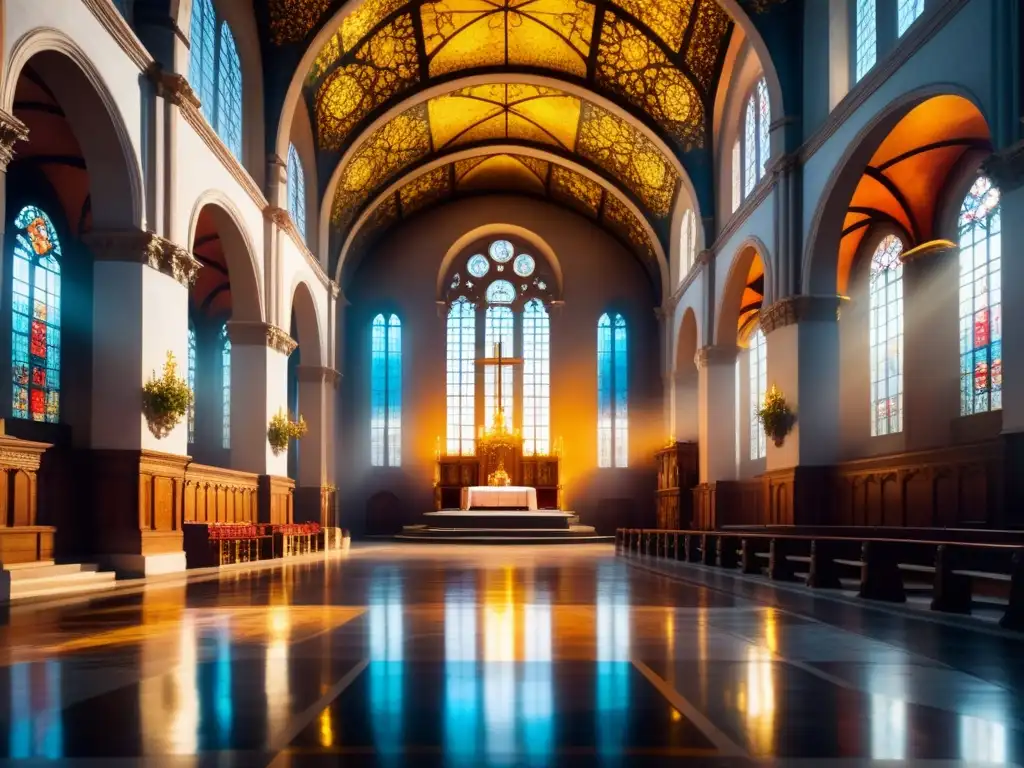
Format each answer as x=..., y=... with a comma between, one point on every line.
x=499, y=497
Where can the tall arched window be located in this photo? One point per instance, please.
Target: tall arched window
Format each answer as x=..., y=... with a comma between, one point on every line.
x=499, y=327
x=909, y=10
x=386, y=392
x=981, y=321
x=35, y=321
x=202, y=63
x=215, y=72
x=757, y=118
x=192, y=381
x=687, y=243
x=229, y=103
x=536, y=379
x=737, y=175
x=865, y=37
x=225, y=385
x=885, y=293
x=612, y=392
x=757, y=362
x=461, y=383
x=296, y=190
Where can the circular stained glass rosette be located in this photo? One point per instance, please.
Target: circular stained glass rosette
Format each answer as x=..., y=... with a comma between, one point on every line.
x=502, y=251
x=523, y=265
x=478, y=265
x=501, y=292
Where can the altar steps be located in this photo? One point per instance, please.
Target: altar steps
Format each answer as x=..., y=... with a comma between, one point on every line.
x=575, y=534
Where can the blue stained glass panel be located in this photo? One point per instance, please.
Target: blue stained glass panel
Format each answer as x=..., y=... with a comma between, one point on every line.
x=394, y=390
x=865, y=37
x=192, y=381
x=461, y=378
x=296, y=190
x=604, y=391
x=536, y=379
x=225, y=367
x=228, y=118
x=203, y=54
x=620, y=383
x=386, y=391
x=35, y=321
x=612, y=392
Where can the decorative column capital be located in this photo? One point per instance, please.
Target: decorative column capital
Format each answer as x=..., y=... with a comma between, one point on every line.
x=249, y=333
x=318, y=374
x=785, y=164
x=12, y=130
x=705, y=257
x=142, y=247
x=278, y=215
x=716, y=354
x=335, y=289
x=799, y=309
x=1006, y=168
x=172, y=86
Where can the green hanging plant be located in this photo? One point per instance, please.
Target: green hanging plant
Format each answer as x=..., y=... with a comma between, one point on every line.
x=282, y=429
x=775, y=416
x=165, y=400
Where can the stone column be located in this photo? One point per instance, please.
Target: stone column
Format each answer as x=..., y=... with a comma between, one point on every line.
x=668, y=411
x=803, y=362
x=314, y=494
x=140, y=314
x=259, y=389
x=716, y=397
x=1006, y=169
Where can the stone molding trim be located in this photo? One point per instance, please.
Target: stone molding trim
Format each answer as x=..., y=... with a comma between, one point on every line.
x=142, y=247
x=184, y=97
x=752, y=203
x=799, y=309
x=933, y=248
x=249, y=333
x=923, y=30
x=12, y=130
x=1006, y=168
x=283, y=219
x=318, y=374
x=119, y=29
x=172, y=86
x=716, y=354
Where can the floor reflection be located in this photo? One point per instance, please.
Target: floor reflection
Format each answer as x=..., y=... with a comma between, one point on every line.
x=482, y=658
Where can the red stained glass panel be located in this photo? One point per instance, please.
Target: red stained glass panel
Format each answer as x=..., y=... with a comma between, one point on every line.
x=981, y=377
x=39, y=377
x=38, y=342
x=38, y=404
x=981, y=328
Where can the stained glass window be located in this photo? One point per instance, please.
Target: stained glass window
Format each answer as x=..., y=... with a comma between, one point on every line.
x=225, y=385
x=764, y=122
x=865, y=41
x=524, y=265
x=885, y=306
x=981, y=317
x=756, y=145
x=612, y=392
x=536, y=379
x=35, y=322
x=757, y=360
x=386, y=392
x=296, y=190
x=202, y=64
x=908, y=12
x=478, y=265
x=215, y=73
x=501, y=251
x=499, y=327
x=461, y=383
x=192, y=381
x=228, y=118
x=687, y=243
x=737, y=186
x=501, y=292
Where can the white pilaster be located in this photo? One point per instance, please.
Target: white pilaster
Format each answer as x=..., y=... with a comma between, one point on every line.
x=803, y=362
x=716, y=377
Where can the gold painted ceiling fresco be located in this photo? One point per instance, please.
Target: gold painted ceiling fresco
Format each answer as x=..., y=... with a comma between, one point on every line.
x=659, y=58
x=501, y=172
x=504, y=112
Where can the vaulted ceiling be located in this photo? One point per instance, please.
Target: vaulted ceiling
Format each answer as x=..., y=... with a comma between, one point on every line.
x=622, y=89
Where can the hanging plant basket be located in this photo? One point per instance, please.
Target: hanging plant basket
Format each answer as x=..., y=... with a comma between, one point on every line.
x=165, y=399
x=776, y=417
x=282, y=430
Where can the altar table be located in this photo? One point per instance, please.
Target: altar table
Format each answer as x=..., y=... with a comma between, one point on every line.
x=499, y=497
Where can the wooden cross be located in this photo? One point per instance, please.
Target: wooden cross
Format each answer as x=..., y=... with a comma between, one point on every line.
x=500, y=361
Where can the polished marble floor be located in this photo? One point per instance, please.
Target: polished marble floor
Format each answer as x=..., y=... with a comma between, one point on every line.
x=410, y=655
